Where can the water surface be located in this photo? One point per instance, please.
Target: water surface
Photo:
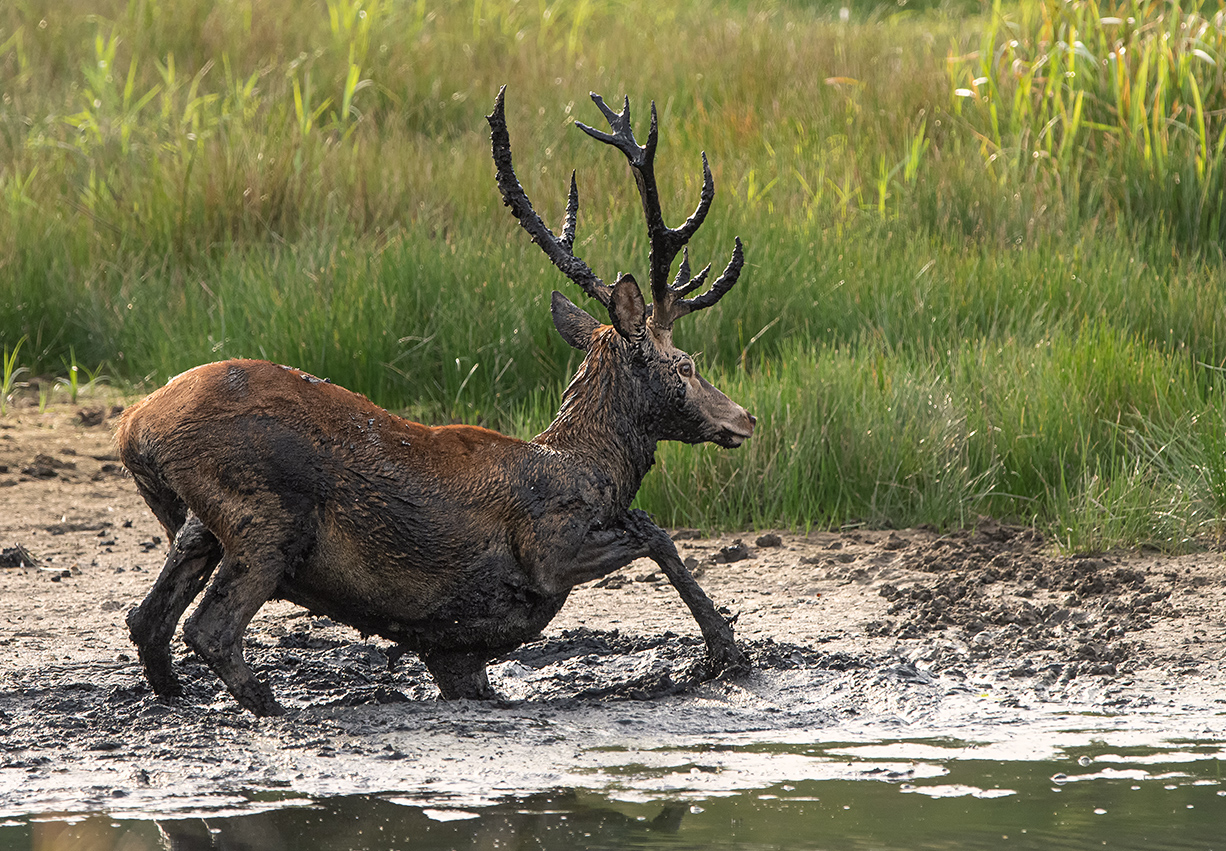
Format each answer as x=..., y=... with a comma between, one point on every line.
x=907, y=795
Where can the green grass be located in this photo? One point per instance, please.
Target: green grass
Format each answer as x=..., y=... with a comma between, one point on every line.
x=1110, y=107
x=1085, y=433
x=984, y=273
x=9, y=373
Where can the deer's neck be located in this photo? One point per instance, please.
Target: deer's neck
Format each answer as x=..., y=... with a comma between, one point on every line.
x=605, y=422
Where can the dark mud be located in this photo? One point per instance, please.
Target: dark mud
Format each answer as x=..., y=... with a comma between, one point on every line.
x=987, y=635
x=1088, y=611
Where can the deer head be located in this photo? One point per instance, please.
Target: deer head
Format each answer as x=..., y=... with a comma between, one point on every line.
x=677, y=403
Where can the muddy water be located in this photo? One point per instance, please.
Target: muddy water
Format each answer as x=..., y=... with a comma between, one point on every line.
x=880, y=795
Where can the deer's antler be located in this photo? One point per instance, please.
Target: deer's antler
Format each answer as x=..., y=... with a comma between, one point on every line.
x=669, y=300
x=559, y=251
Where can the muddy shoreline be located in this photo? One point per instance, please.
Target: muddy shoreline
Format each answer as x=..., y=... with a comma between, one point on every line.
x=985, y=636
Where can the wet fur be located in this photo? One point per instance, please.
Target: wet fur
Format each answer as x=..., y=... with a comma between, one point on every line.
x=456, y=542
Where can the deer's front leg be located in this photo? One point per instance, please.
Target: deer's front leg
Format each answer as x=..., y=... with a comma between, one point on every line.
x=724, y=658
x=602, y=551
x=599, y=553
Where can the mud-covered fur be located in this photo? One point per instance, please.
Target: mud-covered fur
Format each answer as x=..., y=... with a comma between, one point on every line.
x=455, y=542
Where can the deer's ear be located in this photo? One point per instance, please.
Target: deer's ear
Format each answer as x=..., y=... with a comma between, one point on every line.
x=574, y=323
x=627, y=309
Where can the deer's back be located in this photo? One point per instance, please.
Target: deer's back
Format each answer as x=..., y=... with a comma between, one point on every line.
x=373, y=505
x=391, y=526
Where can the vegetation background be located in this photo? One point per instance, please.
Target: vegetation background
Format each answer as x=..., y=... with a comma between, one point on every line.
x=985, y=269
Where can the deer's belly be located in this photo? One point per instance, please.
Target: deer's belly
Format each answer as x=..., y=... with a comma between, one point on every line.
x=422, y=601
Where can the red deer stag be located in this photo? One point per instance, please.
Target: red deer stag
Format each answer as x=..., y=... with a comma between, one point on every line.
x=455, y=542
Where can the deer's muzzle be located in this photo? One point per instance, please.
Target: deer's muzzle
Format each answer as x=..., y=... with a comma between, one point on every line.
x=732, y=434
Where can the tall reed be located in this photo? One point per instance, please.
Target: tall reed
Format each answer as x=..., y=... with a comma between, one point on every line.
x=1115, y=107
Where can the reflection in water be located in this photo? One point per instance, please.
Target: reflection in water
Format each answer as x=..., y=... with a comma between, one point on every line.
x=543, y=822
x=976, y=805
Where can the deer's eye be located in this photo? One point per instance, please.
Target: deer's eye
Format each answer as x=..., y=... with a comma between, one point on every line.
x=685, y=369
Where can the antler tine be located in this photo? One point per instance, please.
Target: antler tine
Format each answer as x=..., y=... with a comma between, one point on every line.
x=622, y=136
x=691, y=225
x=665, y=241
x=557, y=250
x=683, y=284
x=572, y=214
x=683, y=271
x=723, y=283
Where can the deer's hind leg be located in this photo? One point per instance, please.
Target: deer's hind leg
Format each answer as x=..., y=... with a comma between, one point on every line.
x=459, y=673
x=194, y=554
x=245, y=581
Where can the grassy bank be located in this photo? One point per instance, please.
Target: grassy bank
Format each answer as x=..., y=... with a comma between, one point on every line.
x=983, y=265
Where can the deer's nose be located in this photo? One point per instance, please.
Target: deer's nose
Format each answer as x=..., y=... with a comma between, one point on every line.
x=753, y=421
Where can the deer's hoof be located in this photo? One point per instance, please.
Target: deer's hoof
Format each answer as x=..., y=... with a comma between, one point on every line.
x=722, y=663
x=727, y=663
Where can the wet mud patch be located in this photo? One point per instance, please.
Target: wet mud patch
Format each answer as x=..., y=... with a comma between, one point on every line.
x=1002, y=592
x=588, y=664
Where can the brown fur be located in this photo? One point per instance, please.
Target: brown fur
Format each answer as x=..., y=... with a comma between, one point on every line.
x=455, y=542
